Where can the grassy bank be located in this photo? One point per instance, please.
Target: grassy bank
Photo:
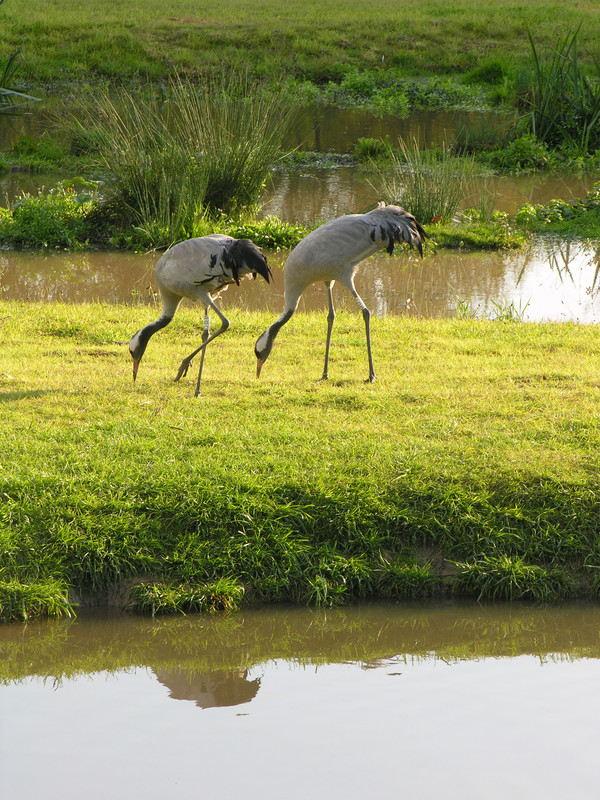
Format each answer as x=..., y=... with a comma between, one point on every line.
x=63, y=42
x=470, y=466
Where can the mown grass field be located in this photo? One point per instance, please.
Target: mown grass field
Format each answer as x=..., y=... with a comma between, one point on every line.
x=66, y=42
x=470, y=466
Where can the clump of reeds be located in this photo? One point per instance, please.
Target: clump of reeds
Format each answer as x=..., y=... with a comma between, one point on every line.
x=563, y=101
x=238, y=130
x=171, y=159
x=430, y=183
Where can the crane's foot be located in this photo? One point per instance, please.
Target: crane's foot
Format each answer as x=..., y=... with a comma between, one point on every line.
x=324, y=377
x=183, y=369
x=371, y=378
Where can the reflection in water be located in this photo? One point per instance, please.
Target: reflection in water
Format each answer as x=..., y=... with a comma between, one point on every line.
x=209, y=655
x=553, y=280
x=354, y=703
x=208, y=690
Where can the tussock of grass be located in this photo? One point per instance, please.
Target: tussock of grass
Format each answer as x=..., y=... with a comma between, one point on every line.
x=510, y=578
x=479, y=444
x=20, y=602
x=156, y=598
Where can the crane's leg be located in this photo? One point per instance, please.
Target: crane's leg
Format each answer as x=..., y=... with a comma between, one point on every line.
x=205, y=335
x=330, y=321
x=186, y=363
x=367, y=318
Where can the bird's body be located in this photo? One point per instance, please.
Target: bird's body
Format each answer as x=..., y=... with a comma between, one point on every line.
x=333, y=252
x=199, y=269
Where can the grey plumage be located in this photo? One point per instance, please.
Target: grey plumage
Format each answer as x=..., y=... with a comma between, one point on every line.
x=332, y=253
x=199, y=269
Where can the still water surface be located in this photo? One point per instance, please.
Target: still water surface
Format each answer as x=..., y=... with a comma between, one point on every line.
x=383, y=700
x=553, y=280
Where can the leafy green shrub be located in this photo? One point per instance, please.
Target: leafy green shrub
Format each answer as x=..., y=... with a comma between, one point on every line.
x=271, y=232
x=581, y=217
x=53, y=219
x=522, y=155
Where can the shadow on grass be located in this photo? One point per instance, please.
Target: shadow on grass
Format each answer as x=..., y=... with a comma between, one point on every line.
x=7, y=397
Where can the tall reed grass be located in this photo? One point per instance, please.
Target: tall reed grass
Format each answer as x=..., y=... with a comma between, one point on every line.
x=430, y=183
x=172, y=159
x=563, y=101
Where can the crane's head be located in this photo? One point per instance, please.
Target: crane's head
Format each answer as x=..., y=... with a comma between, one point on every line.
x=262, y=350
x=136, y=349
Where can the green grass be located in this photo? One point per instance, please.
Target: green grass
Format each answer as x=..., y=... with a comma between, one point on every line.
x=63, y=41
x=478, y=445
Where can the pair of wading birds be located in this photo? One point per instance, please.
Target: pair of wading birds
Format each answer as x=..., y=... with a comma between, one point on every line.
x=200, y=268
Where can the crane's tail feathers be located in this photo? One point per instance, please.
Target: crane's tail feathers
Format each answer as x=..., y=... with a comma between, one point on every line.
x=394, y=224
x=244, y=256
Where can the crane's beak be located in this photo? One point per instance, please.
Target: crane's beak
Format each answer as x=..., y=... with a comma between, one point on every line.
x=259, y=366
x=136, y=364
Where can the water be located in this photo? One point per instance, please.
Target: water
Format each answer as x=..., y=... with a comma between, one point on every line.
x=553, y=280
x=453, y=700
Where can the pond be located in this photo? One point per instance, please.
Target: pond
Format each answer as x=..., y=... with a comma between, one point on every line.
x=553, y=280
x=370, y=701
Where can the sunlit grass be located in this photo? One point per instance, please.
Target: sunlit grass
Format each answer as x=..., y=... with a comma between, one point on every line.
x=479, y=440
x=65, y=40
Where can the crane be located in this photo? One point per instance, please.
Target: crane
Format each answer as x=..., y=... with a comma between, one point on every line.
x=332, y=253
x=199, y=269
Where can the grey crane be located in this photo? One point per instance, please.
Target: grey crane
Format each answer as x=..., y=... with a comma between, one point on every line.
x=332, y=253
x=199, y=269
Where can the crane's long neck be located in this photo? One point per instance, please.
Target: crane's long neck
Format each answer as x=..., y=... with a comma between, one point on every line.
x=139, y=341
x=264, y=343
x=292, y=293
x=272, y=331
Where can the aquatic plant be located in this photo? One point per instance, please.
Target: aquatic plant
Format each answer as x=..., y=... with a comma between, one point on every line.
x=50, y=219
x=171, y=159
x=430, y=183
x=563, y=103
x=580, y=217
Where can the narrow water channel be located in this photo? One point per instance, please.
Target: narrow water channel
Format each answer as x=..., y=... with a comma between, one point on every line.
x=455, y=701
x=552, y=281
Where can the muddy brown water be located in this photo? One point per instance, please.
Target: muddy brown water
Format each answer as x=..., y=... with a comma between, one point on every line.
x=553, y=280
x=458, y=701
